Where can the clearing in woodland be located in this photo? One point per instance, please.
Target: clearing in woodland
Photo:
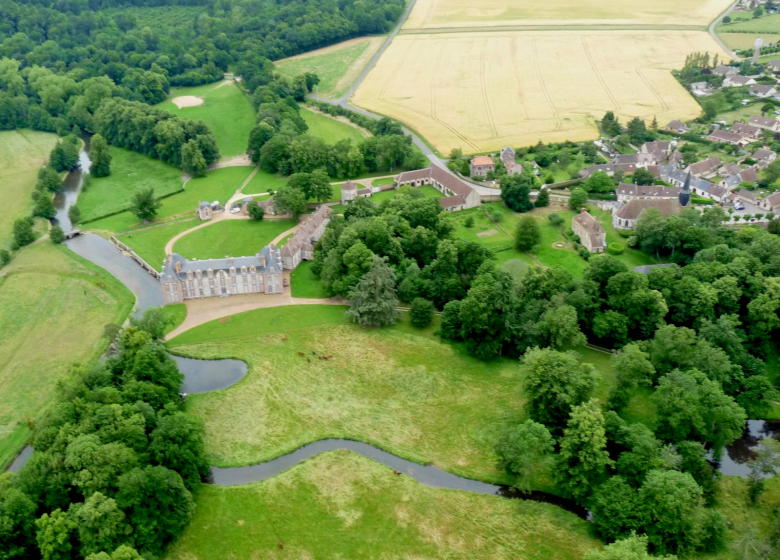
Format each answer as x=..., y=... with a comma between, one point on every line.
x=338, y=66
x=438, y=14
x=518, y=88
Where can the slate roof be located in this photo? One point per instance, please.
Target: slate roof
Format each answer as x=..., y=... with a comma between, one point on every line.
x=349, y=186
x=588, y=222
x=763, y=154
x=705, y=166
x=658, y=191
x=747, y=195
x=267, y=261
x=303, y=238
x=762, y=122
x=725, y=136
x=449, y=181
x=633, y=209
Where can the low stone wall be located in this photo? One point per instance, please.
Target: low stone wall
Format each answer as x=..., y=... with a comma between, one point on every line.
x=135, y=257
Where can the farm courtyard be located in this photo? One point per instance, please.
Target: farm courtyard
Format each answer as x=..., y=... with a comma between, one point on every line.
x=512, y=84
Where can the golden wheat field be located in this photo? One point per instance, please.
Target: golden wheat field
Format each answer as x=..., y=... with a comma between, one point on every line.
x=437, y=14
x=484, y=90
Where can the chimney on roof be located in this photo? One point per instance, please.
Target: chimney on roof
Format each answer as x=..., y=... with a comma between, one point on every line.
x=178, y=268
x=230, y=260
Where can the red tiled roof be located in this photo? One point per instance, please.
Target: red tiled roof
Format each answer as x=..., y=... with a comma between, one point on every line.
x=482, y=160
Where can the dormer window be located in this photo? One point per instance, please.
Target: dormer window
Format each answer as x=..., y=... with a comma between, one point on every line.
x=198, y=274
x=243, y=270
x=232, y=270
x=189, y=274
x=211, y=273
x=252, y=269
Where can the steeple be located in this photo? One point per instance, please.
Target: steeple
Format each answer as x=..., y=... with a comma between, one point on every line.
x=685, y=194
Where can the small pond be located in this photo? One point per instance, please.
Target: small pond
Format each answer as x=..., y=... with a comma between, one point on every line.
x=736, y=456
x=203, y=376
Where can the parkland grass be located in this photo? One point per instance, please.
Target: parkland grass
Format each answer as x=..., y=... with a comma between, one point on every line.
x=130, y=172
x=263, y=182
x=22, y=153
x=304, y=284
x=329, y=129
x=522, y=96
x=400, y=388
x=342, y=505
x=175, y=313
x=742, y=22
x=235, y=238
x=53, y=307
x=338, y=66
x=150, y=243
x=226, y=110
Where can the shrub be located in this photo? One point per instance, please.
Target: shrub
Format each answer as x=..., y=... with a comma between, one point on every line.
x=633, y=241
x=421, y=313
x=577, y=199
x=584, y=253
x=469, y=222
x=556, y=220
x=496, y=216
x=256, y=212
x=5, y=257
x=625, y=233
x=57, y=235
x=615, y=249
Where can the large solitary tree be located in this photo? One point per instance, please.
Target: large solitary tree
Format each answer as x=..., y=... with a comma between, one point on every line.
x=144, y=204
x=374, y=300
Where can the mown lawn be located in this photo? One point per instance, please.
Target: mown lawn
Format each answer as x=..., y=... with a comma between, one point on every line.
x=236, y=238
x=342, y=505
x=130, y=172
x=226, y=110
x=53, y=307
x=264, y=182
x=744, y=21
x=219, y=184
x=175, y=313
x=400, y=388
x=330, y=130
x=741, y=114
x=427, y=191
x=150, y=243
x=304, y=284
x=22, y=153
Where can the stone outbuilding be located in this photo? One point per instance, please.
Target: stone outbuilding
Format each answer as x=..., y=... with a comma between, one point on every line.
x=458, y=194
x=482, y=165
x=348, y=192
x=301, y=246
x=204, y=211
x=590, y=231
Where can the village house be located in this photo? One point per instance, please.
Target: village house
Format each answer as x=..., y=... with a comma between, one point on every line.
x=301, y=246
x=765, y=123
x=773, y=65
x=762, y=91
x=204, y=211
x=746, y=131
x=268, y=208
x=608, y=168
x=677, y=126
x=701, y=89
x=244, y=204
x=727, y=137
x=458, y=194
x=638, y=159
x=677, y=177
x=625, y=214
x=733, y=80
x=771, y=203
x=184, y=279
x=716, y=193
x=507, y=157
x=747, y=196
x=658, y=147
x=482, y=165
x=748, y=175
x=627, y=192
x=764, y=155
x=723, y=70
x=704, y=167
x=729, y=169
x=590, y=231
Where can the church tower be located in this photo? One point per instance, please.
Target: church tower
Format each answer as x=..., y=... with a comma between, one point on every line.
x=685, y=193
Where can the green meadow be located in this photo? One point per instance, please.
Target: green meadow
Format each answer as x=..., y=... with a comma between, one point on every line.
x=329, y=129
x=236, y=238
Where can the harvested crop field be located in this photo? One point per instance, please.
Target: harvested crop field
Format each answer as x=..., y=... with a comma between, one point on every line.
x=517, y=88
x=438, y=14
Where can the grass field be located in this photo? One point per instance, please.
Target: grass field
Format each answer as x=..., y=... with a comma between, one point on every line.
x=175, y=313
x=130, y=171
x=330, y=130
x=741, y=114
x=225, y=109
x=22, y=153
x=438, y=14
x=342, y=505
x=746, y=40
x=513, y=88
x=744, y=21
x=237, y=238
x=264, y=182
x=338, y=66
x=52, y=313
x=400, y=388
x=428, y=191
x=150, y=243
x=304, y=284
